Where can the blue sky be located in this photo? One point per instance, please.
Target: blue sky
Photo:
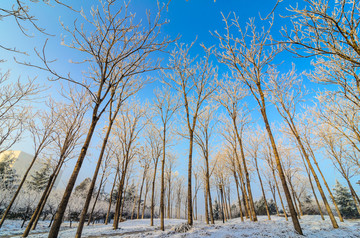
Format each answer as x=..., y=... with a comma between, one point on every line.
x=189, y=19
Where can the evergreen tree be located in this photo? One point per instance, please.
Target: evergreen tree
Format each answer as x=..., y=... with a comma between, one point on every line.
x=216, y=210
x=8, y=176
x=39, y=180
x=345, y=201
x=83, y=187
x=261, y=209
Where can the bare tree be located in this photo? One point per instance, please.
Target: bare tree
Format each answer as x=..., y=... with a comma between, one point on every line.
x=42, y=136
x=230, y=96
x=68, y=131
x=169, y=174
x=145, y=162
x=192, y=80
x=165, y=106
x=153, y=139
x=127, y=88
x=249, y=55
x=285, y=92
x=206, y=124
x=130, y=123
x=255, y=141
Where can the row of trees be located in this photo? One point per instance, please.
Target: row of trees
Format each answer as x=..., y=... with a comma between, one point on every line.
x=119, y=51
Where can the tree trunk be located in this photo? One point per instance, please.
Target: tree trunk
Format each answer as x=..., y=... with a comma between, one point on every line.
x=312, y=188
x=306, y=156
x=238, y=194
x=262, y=189
x=145, y=198
x=110, y=199
x=326, y=184
x=153, y=194
x=169, y=196
x=293, y=214
x=189, y=196
x=206, y=207
x=273, y=192
x=208, y=190
x=96, y=198
x=279, y=193
x=119, y=201
x=36, y=215
x=93, y=181
x=243, y=188
x=162, y=193
x=248, y=186
x=141, y=189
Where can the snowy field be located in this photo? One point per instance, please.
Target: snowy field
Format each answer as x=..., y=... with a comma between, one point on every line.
x=312, y=226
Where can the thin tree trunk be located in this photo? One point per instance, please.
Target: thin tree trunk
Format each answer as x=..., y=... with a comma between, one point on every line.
x=262, y=189
x=326, y=184
x=169, y=196
x=279, y=193
x=96, y=198
x=141, y=189
x=152, y=195
x=93, y=181
x=206, y=206
x=208, y=190
x=312, y=188
x=311, y=168
x=110, y=199
x=238, y=194
x=273, y=192
x=133, y=209
x=243, y=188
x=36, y=215
x=145, y=199
x=248, y=186
x=162, y=193
x=119, y=201
x=189, y=196
x=229, y=203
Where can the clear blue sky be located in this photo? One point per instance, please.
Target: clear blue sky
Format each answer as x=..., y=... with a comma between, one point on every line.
x=190, y=19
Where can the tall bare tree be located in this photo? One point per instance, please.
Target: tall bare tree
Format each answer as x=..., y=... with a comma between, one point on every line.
x=192, y=80
x=165, y=106
x=129, y=124
x=206, y=124
x=285, y=92
x=249, y=55
x=230, y=96
x=153, y=140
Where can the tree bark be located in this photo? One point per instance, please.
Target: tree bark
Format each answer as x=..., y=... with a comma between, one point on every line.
x=238, y=194
x=110, y=199
x=262, y=189
x=189, y=196
x=153, y=194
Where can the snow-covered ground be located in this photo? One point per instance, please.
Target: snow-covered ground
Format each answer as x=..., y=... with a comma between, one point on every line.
x=312, y=226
